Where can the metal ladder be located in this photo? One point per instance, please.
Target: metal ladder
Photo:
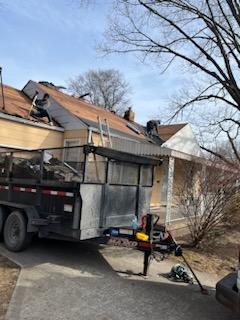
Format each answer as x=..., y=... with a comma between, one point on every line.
x=101, y=123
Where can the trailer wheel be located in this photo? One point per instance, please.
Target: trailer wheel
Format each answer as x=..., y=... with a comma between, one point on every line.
x=16, y=237
x=3, y=216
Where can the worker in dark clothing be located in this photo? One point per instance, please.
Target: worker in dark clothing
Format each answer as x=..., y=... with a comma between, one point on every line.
x=42, y=106
x=152, y=127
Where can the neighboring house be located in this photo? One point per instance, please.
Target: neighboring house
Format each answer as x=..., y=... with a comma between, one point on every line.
x=77, y=123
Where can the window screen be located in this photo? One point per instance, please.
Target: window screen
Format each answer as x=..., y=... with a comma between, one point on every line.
x=146, y=175
x=124, y=173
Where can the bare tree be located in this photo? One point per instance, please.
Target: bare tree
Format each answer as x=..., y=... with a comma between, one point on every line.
x=201, y=35
x=106, y=88
x=204, y=195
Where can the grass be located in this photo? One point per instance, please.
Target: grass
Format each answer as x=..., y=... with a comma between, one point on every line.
x=218, y=253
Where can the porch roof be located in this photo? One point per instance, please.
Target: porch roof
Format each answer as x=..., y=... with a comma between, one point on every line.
x=149, y=149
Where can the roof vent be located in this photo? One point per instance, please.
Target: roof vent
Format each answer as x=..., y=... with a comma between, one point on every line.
x=52, y=85
x=82, y=97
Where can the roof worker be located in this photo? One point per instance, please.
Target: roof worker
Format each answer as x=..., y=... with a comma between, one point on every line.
x=42, y=106
x=152, y=127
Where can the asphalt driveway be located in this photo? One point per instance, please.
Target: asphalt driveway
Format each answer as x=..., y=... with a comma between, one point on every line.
x=63, y=280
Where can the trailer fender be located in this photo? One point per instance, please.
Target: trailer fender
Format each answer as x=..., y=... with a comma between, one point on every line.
x=32, y=215
x=3, y=216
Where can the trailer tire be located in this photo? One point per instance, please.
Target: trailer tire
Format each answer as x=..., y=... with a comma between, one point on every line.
x=3, y=216
x=16, y=237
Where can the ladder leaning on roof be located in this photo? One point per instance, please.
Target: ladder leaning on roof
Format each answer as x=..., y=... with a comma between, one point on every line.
x=33, y=103
x=100, y=123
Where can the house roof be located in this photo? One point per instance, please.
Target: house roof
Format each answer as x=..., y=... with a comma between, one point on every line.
x=89, y=113
x=167, y=131
x=17, y=104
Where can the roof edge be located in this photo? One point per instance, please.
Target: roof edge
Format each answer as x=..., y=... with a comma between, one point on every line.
x=29, y=122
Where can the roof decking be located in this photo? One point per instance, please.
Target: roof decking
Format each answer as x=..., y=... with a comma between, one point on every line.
x=17, y=104
x=89, y=113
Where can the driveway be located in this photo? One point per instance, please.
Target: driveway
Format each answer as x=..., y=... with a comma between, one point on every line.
x=63, y=280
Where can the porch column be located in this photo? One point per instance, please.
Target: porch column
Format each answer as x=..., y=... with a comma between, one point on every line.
x=169, y=180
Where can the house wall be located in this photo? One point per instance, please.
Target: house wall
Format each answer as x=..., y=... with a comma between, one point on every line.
x=156, y=190
x=22, y=135
x=81, y=134
x=160, y=188
x=96, y=139
x=185, y=172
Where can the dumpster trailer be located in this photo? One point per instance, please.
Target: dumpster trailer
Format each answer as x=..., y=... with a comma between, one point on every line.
x=72, y=193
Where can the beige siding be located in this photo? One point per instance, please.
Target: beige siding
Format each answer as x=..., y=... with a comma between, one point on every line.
x=81, y=134
x=155, y=200
x=27, y=136
x=96, y=139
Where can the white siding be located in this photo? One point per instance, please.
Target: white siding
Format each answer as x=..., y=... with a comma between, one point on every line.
x=185, y=141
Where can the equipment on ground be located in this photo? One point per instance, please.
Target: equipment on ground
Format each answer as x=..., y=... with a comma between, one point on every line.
x=179, y=273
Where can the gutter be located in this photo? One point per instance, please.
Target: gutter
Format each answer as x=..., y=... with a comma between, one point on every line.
x=123, y=137
x=29, y=122
x=12, y=147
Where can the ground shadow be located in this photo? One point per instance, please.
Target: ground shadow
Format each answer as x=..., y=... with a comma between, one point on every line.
x=91, y=289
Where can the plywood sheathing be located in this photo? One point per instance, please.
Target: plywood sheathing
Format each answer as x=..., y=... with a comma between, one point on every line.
x=88, y=111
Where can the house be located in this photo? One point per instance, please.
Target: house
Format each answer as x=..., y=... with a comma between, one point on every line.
x=76, y=122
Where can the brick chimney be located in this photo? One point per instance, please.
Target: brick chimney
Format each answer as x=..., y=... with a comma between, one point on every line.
x=129, y=115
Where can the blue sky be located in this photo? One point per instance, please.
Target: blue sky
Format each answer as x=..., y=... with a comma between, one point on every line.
x=54, y=40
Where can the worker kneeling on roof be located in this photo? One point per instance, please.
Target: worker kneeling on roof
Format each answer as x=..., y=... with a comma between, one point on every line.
x=42, y=106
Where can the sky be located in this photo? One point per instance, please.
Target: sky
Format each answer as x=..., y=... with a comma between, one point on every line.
x=54, y=40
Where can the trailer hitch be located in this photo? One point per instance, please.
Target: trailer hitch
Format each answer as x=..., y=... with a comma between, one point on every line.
x=155, y=241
